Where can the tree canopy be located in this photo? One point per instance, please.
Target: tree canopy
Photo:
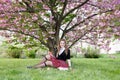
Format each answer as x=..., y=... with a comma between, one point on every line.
x=48, y=21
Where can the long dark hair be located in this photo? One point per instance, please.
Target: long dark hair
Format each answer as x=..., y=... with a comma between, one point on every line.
x=66, y=47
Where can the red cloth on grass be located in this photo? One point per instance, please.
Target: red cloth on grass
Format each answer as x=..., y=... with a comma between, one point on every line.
x=58, y=63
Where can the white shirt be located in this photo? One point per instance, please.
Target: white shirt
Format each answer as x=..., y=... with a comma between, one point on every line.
x=61, y=50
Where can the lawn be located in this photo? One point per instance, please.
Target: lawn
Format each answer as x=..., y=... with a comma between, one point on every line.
x=83, y=69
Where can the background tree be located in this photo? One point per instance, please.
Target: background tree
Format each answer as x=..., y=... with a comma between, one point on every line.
x=48, y=21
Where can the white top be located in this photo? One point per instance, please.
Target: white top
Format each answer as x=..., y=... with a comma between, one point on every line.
x=61, y=50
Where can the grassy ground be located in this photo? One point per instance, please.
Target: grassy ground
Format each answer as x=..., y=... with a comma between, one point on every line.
x=83, y=69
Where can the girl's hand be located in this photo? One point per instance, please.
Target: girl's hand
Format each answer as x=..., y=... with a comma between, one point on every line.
x=50, y=53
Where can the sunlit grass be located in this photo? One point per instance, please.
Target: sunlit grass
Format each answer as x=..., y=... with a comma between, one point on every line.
x=83, y=69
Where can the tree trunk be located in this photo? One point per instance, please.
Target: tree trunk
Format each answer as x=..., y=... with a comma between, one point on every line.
x=52, y=44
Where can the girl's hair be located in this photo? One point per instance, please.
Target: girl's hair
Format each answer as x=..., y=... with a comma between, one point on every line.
x=66, y=47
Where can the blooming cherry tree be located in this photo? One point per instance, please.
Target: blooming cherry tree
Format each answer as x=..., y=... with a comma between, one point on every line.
x=48, y=21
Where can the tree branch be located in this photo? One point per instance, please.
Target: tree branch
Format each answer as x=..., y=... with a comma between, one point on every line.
x=72, y=10
x=89, y=17
x=91, y=4
x=29, y=8
x=24, y=34
x=64, y=6
x=64, y=31
x=81, y=37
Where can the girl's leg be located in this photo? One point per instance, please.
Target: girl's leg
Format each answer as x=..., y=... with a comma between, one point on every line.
x=47, y=57
x=47, y=63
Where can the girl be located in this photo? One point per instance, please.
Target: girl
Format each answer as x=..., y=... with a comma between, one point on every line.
x=60, y=60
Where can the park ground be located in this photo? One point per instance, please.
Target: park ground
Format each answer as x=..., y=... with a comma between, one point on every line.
x=83, y=69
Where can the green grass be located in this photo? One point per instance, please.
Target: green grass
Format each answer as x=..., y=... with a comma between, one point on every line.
x=83, y=69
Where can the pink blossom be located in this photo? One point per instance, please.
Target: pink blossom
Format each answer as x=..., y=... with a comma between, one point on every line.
x=51, y=32
x=63, y=0
x=3, y=21
x=34, y=18
x=78, y=49
x=45, y=7
x=39, y=0
x=51, y=18
x=117, y=13
x=102, y=23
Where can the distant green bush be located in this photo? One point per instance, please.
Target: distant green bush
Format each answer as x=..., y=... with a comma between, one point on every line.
x=91, y=53
x=117, y=52
x=14, y=52
x=31, y=53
